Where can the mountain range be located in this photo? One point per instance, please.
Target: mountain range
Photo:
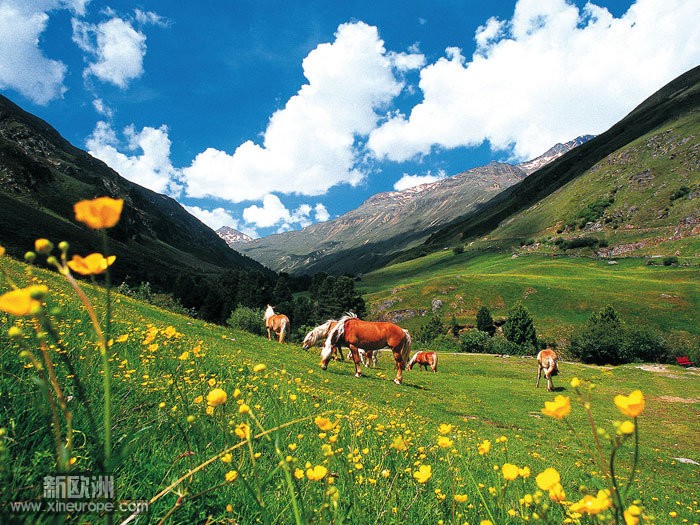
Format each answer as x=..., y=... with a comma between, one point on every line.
x=42, y=175
x=390, y=222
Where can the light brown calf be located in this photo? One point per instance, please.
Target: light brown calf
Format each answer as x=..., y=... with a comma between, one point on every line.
x=547, y=361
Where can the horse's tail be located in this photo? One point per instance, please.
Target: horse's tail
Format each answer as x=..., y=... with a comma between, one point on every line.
x=434, y=366
x=284, y=329
x=406, y=349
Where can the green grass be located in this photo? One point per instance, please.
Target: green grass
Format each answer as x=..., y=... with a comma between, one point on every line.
x=483, y=396
x=561, y=293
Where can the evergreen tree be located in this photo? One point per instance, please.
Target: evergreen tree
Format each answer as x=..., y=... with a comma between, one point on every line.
x=519, y=327
x=484, y=321
x=430, y=331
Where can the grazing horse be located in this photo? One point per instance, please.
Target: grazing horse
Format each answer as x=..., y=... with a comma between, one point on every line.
x=356, y=333
x=547, y=360
x=424, y=359
x=278, y=323
x=366, y=357
x=320, y=333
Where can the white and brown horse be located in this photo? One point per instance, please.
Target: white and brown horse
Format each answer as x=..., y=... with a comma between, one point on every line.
x=277, y=323
x=424, y=359
x=370, y=336
x=547, y=360
x=319, y=334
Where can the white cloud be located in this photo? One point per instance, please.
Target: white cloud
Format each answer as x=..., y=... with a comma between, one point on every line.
x=117, y=49
x=409, y=181
x=215, y=218
x=102, y=108
x=407, y=61
x=151, y=168
x=23, y=66
x=310, y=144
x=274, y=213
x=548, y=74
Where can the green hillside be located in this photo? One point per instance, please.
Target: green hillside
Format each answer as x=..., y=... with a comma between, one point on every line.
x=379, y=454
x=647, y=164
x=561, y=292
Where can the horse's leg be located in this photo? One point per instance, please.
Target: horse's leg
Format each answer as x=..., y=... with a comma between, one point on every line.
x=356, y=357
x=369, y=357
x=269, y=336
x=539, y=375
x=399, y=365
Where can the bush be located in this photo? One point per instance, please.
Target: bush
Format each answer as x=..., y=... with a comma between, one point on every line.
x=444, y=343
x=484, y=321
x=601, y=340
x=670, y=261
x=645, y=345
x=247, y=319
x=475, y=342
x=519, y=327
x=430, y=330
x=502, y=346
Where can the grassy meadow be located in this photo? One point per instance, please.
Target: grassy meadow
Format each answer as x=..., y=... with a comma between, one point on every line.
x=560, y=292
x=291, y=443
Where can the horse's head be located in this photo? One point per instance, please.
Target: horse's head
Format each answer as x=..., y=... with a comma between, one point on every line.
x=309, y=340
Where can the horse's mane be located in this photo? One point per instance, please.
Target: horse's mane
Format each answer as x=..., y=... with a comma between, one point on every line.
x=339, y=329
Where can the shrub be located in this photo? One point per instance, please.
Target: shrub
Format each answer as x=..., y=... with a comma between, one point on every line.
x=475, y=342
x=484, y=321
x=601, y=340
x=670, y=261
x=444, y=343
x=645, y=345
x=458, y=249
x=247, y=319
x=431, y=330
x=519, y=327
x=502, y=346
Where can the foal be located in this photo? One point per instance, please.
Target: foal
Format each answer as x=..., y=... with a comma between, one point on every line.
x=547, y=361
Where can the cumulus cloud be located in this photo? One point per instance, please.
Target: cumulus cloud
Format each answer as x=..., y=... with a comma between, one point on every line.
x=116, y=48
x=23, y=66
x=550, y=73
x=409, y=181
x=274, y=213
x=150, y=168
x=215, y=218
x=310, y=144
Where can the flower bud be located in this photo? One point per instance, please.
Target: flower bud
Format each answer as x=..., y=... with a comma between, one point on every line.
x=15, y=332
x=43, y=246
x=63, y=246
x=30, y=257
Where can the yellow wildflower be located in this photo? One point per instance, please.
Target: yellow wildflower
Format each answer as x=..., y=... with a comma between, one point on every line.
x=444, y=441
x=93, y=264
x=548, y=479
x=486, y=522
x=298, y=473
x=524, y=472
x=575, y=382
x=484, y=447
x=259, y=368
x=592, y=505
x=445, y=428
x=103, y=212
x=399, y=444
x=556, y=493
x=43, y=246
x=216, y=397
x=2, y=251
x=510, y=471
x=632, y=515
x=197, y=400
x=226, y=458
x=243, y=409
x=626, y=428
x=460, y=498
x=317, y=473
x=559, y=408
x=242, y=431
x=631, y=405
x=24, y=301
x=423, y=474
x=231, y=475
x=324, y=423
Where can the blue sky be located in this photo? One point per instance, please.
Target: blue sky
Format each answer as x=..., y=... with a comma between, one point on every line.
x=269, y=115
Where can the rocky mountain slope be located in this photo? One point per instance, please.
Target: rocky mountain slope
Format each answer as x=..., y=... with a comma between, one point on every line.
x=392, y=221
x=42, y=175
x=232, y=236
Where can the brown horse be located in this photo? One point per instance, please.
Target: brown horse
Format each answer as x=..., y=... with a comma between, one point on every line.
x=547, y=360
x=424, y=359
x=356, y=333
x=278, y=323
x=320, y=333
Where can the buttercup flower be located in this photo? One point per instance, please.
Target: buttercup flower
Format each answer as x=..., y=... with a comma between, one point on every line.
x=632, y=515
x=93, y=264
x=484, y=447
x=444, y=429
x=103, y=212
x=43, y=246
x=216, y=397
x=626, y=428
x=510, y=471
x=559, y=408
x=259, y=368
x=631, y=405
x=399, y=444
x=324, y=423
x=557, y=493
x=548, y=479
x=444, y=441
x=423, y=474
x=2, y=251
x=231, y=475
x=24, y=301
x=242, y=431
x=460, y=498
x=592, y=505
x=317, y=473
